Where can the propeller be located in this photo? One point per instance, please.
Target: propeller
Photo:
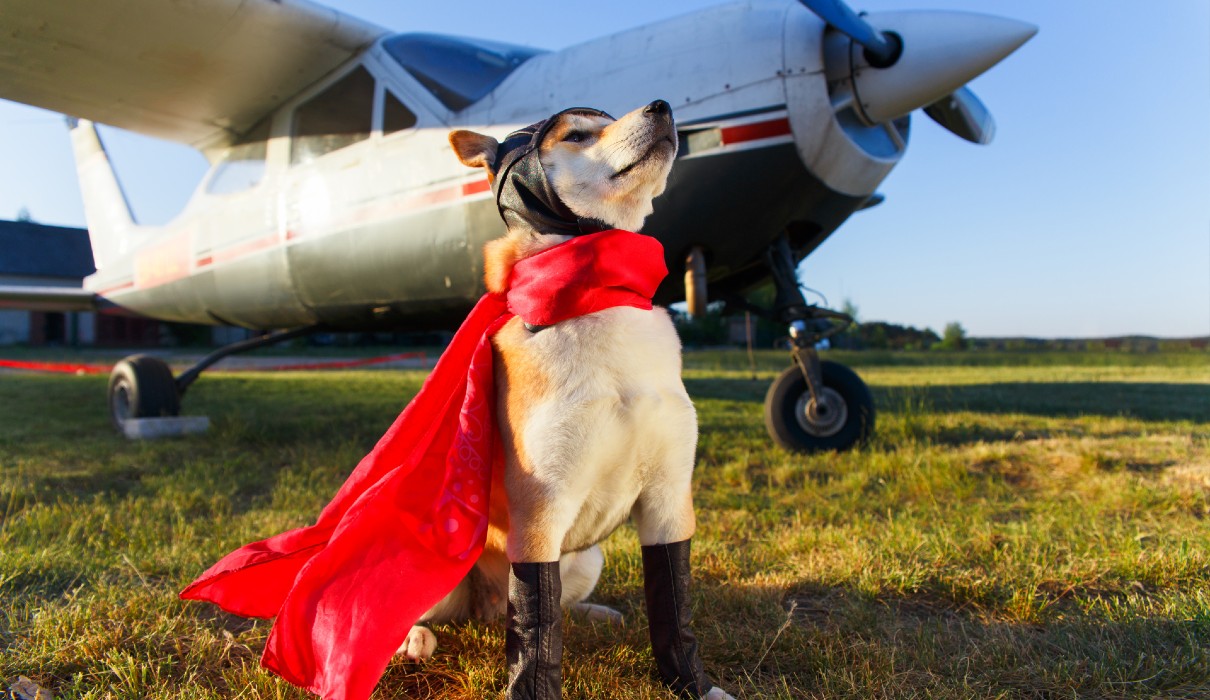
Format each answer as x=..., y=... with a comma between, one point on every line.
x=964, y=115
x=882, y=48
x=887, y=97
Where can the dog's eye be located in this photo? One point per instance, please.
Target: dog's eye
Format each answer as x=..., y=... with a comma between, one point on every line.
x=576, y=136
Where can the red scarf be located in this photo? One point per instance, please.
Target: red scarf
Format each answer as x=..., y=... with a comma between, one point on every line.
x=411, y=519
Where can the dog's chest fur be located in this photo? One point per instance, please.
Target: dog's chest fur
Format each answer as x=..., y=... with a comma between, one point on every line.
x=588, y=409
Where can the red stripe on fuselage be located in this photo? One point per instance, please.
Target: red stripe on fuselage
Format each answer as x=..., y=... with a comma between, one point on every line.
x=755, y=132
x=163, y=262
x=475, y=187
x=417, y=201
x=239, y=250
x=116, y=288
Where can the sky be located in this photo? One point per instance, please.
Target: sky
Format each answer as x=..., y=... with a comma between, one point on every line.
x=1089, y=215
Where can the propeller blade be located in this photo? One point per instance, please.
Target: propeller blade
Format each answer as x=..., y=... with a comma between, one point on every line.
x=963, y=114
x=882, y=50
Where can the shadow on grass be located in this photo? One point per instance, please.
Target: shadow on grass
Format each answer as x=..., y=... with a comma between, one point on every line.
x=116, y=482
x=926, y=635
x=1146, y=401
x=1143, y=400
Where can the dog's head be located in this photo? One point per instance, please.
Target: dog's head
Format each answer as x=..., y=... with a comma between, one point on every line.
x=579, y=170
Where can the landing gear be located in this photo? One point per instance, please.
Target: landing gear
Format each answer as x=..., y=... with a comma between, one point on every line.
x=815, y=405
x=142, y=386
x=695, y=282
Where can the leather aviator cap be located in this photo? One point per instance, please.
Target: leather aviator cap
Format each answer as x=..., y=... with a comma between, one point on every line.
x=524, y=194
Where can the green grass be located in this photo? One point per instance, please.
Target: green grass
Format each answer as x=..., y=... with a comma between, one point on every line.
x=1023, y=526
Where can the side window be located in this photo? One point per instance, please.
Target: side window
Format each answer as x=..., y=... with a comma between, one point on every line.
x=335, y=118
x=395, y=116
x=240, y=169
x=243, y=165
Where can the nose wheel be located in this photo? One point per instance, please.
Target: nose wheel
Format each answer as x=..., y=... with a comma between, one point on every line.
x=815, y=405
x=838, y=416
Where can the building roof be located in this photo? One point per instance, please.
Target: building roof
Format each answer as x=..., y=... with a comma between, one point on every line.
x=37, y=250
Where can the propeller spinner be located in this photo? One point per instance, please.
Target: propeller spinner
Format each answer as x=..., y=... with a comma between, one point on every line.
x=912, y=60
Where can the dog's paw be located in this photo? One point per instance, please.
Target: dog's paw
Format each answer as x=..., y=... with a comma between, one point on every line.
x=420, y=644
x=717, y=693
x=598, y=613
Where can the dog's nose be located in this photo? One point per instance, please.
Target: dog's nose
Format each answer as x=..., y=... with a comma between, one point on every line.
x=659, y=107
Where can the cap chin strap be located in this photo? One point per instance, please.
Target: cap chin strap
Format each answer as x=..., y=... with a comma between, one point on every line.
x=524, y=193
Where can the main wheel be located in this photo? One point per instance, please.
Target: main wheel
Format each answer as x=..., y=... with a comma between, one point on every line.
x=842, y=418
x=141, y=386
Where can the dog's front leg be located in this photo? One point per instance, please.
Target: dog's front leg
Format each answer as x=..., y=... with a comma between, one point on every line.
x=666, y=589
x=666, y=523
x=534, y=633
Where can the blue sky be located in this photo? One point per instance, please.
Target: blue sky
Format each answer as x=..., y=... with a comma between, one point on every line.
x=1089, y=215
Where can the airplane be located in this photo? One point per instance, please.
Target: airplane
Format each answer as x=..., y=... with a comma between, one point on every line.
x=334, y=202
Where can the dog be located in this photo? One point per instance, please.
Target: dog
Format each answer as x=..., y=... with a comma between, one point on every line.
x=596, y=423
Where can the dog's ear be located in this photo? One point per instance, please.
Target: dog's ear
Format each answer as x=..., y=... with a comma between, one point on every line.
x=474, y=150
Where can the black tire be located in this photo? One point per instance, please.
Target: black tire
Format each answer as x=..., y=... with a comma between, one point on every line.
x=843, y=428
x=142, y=386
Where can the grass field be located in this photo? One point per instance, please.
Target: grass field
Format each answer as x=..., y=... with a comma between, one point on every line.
x=1023, y=526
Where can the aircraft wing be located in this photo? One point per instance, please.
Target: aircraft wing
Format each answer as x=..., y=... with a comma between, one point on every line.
x=196, y=72
x=49, y=299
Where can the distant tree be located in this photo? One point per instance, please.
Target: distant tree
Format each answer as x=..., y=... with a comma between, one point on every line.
x=849, y=338
x=929, y=338
x=954, y=337
x=875, y=336
x=24, y=216
x=850, y=308
x=880, y=335
x=706, y=330
x=921, y=339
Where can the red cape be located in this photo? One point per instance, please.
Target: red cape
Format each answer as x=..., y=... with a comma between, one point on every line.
x=411, y=519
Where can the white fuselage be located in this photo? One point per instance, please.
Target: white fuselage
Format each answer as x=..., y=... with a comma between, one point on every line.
x=389, y=229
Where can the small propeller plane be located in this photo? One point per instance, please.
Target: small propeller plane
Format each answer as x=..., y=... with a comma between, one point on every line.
x=334, y=201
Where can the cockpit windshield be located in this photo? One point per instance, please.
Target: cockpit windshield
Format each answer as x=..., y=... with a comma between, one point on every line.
x=459, y=72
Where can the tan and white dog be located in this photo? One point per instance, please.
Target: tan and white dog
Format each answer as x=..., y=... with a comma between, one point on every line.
x=596, y=423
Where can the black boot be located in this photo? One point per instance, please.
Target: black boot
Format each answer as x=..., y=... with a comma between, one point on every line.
x=533, y=639
x=666, y=586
